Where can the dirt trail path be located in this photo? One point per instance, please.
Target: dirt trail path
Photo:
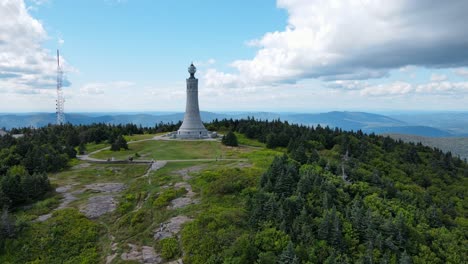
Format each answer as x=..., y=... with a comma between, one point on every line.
x=154, y=167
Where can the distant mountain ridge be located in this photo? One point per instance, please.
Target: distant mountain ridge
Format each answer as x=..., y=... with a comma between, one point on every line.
x=367, y=122
x=458, y=146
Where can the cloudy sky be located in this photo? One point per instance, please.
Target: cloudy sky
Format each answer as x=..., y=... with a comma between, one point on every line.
x=284, y=55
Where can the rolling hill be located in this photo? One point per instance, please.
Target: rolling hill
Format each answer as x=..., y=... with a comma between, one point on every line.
x=421, y=125
x=456, y=145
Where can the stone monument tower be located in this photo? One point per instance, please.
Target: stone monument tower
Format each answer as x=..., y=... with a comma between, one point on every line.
x=192, y=126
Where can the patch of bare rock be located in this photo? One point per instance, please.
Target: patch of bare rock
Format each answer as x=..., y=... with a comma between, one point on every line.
x=82, y=165
x=68, y=197
x=185, y=172
x=110, y=187
x=177, y=261
x=99, y=205
x=145, y=254
x=186, y=200
x=171, y=228
x=157, y=165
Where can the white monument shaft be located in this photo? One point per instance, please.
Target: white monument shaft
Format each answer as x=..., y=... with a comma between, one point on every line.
x=192, y=126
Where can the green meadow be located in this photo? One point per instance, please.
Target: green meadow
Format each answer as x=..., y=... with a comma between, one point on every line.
x=173, y=150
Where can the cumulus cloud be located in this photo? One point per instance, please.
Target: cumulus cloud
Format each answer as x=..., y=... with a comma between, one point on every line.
x=462, y=72
x=396, y=88
x=24, y=64
x=455, y=88
x=354, y=39
x=105, y=87
x=437, y=86
x=438, y=77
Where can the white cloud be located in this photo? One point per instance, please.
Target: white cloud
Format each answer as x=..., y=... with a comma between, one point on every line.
x=24, y=64
x=435, y=87
x=438, y=77
x=351, y=39
x=346, y=84
x=214, y=78
x=462, y=72
x=396, y=88
x=106, y=87
x=455, y=88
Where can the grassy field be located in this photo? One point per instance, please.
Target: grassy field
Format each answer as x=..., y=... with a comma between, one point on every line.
x=243, y=140
x=173, y=150
x=142, y=205
x=90, y=147
x=140, y=137
x=85, y=173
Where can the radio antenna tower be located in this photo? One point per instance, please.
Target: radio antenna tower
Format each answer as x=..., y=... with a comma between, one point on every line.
x=60, y=99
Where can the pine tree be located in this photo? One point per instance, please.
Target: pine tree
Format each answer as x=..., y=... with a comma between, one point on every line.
x=81, y=149
x=323, y=231
x=404, y=258
x=336, y=237
x=314, y=156
x=288, y=256
x=7, y=224
x=120, y=143
x=299, y=154
x=230, y=139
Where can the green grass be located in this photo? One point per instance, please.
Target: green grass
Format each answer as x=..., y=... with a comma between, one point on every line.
x=174, y=150
x=243, y=140
x=261, y=158
x=67, y=237
x=40, y=207
x=90, y=147
x=141, y=208
x=99, y=173
x=140, y=137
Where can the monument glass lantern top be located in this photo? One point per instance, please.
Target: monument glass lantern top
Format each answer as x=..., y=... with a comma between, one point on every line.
x=192, y=69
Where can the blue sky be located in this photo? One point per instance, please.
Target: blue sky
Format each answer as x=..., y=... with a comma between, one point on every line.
x=285, y=55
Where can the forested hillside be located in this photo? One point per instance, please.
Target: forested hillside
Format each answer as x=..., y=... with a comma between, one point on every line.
x=457, y=145
x=328, y=196
x=345, y=197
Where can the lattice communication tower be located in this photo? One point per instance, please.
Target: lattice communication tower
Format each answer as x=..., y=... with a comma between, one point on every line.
x=60, y=99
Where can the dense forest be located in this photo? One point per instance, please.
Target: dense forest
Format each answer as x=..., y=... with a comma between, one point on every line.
x=347, y=197
x=25, y=160
x=333, y=197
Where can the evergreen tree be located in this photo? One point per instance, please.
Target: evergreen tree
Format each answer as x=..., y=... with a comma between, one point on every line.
x=7, y=225
x=81, y=149
x=404, y=258
x=120, y=143
x=230, y=139
x=288, y=256
x=299, y=154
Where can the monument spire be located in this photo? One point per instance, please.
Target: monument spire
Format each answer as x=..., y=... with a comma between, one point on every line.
x=192, y=126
